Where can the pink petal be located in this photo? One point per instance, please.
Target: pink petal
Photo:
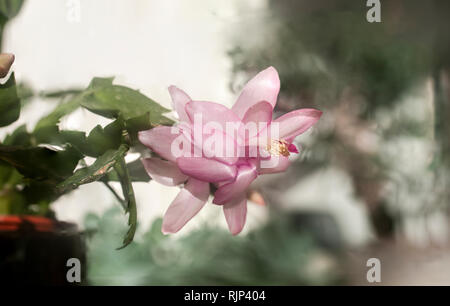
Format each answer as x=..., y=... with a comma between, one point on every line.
x=205, y=143
x=164, y=172
x=274, y=164
x=207, y=115
x=245, y=176
x=293, y=149
x=265, y=86
x=257, y=118
x=207, y=170
x=297, y=122
x=186, y=205
x=209, y=144
x=211, y=112
x=179, y=101
x=161, y=140
x=219, y=146
x=236, y=213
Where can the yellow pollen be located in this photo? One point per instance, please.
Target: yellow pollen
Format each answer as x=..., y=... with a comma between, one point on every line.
x=278, y=147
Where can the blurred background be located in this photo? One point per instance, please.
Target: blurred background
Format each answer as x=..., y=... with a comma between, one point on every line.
x=372, y=178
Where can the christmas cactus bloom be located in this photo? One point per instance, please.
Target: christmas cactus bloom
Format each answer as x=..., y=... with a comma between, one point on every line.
x=226, y=148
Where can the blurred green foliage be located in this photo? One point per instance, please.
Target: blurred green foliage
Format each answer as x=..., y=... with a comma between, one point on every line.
x=8, y=10
x=273, y=254
x=320, y=48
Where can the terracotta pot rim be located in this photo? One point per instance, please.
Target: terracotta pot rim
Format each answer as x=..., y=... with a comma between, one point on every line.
x=12, y=223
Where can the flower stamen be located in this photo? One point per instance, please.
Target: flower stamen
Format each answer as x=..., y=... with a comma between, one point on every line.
x=278, y=147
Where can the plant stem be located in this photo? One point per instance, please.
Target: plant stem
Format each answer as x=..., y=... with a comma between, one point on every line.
x=121, y=201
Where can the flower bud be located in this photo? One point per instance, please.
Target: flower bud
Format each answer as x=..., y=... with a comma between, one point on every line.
x=6, y=60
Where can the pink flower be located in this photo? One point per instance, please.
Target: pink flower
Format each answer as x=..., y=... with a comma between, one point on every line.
x=228, y=148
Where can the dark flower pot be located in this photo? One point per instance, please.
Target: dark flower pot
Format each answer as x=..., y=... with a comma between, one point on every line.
x=36, y=250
